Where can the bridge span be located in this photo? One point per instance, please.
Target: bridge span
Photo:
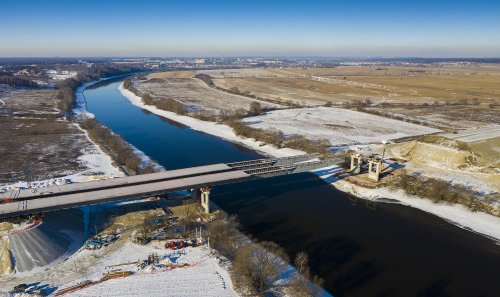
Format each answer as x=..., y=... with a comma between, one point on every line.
x=29, y=201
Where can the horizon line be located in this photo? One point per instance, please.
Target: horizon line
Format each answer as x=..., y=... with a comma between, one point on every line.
x=256, y=56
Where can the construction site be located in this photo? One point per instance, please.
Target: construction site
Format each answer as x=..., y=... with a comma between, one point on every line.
x=138, y=240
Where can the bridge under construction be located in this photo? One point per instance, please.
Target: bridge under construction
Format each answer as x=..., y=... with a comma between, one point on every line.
x=197, y=179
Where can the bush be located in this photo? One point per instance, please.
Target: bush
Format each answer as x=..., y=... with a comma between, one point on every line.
x=300, y=142
x=205, y=78
x=255, y=108
x=277, y=138
x=439, y=190
x=225, y=236
x=300, y=282
x=170, y=105
x=257, y=267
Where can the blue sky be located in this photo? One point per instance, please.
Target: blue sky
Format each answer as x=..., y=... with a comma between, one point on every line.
x=238, y=28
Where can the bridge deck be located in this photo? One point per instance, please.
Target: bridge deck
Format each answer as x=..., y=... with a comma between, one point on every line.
x=28, y=201
x=132, y=191
x=117, y=182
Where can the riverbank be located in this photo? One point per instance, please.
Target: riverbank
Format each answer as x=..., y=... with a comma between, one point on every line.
x=211, y=128
x=80, y=109
x=478, y=222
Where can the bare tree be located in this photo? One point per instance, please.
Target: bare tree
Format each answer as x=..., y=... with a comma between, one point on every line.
x=257, y=267
x=302, y=284
x=225, y=237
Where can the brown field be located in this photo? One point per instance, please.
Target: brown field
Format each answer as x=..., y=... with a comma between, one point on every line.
x=444, y=116
x=302, y=91
x=319, y=86
x=382, y=70
x=33, y=136
x=441, y=88
x=173, y=74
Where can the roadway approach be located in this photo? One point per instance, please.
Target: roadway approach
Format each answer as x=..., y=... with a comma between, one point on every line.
x=197, y=179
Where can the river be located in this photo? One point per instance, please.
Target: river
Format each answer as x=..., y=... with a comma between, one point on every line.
x=391, y=250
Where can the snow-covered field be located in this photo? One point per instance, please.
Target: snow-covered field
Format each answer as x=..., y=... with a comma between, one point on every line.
x=95, y=161
x=203, y=276
x=339, y=126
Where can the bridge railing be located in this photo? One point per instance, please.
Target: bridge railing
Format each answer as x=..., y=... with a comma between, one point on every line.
x=242, y=165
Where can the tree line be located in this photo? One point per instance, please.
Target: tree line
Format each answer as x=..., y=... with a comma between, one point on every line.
x=17, y=82
x=67, y=88
x=122, y=152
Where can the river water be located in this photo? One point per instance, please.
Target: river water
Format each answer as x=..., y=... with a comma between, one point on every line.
x=391, y=250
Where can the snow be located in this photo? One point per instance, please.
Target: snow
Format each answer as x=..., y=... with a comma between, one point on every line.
x=476, y=181
x=81, y=103
x=339, y=126
x=203, y=276
x=473, y=135
x=61, y=76
x=219, y=130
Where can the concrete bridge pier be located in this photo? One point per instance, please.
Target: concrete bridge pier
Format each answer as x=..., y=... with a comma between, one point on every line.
x=196, y=196
x=205, y=201
x=374, y=168
x=356, y=162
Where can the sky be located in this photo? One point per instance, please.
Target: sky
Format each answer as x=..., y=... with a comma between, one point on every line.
x=347, y=28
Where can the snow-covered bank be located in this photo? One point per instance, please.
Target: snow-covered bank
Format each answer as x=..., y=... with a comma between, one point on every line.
x=457, y=214
x=81, y=109
x=219, y=130
x=479, y=222
x=81, y=103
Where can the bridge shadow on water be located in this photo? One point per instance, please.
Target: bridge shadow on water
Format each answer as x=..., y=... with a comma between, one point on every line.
x=389, y=250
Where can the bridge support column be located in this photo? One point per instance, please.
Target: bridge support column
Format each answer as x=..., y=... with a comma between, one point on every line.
x=356, y=162
x=196, y=196
x=374, y=168
x=205, y=201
